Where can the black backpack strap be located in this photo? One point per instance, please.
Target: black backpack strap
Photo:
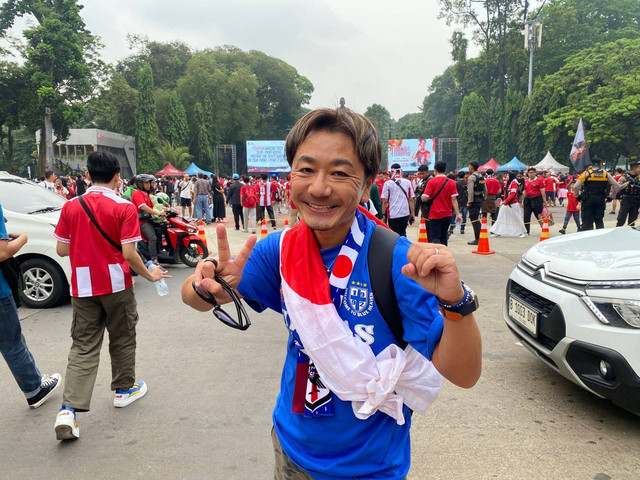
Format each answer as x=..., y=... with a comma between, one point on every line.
x=102, y=232
x=380, y=260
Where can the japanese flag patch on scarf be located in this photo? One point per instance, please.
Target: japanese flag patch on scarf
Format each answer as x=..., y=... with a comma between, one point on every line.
x=330, y=358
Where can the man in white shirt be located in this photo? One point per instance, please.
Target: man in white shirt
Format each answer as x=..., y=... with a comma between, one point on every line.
x=49, y=181
x=185, y=187
x=398, y=194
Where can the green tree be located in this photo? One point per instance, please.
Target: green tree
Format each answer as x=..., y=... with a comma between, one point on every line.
x=472, y=129
x=177, y=131
x=167, y=60
x=118, y=103
x=146, y=127
x=600, y=84
x=179, y=157
x=12, y=81
x=61, y=64
x=204, y=155
x=382, y=121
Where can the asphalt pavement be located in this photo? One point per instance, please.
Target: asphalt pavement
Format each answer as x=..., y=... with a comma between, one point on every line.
x=211, y=391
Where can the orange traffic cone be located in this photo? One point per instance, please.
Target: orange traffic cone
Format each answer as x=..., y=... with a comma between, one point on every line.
x=286, y=223
x=263, y=231
x=483, y=243
x=545, y=230
x=422, y=232
x=201, y=233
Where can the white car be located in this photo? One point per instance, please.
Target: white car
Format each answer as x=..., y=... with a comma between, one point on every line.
x=33, y=210
x=574, y=302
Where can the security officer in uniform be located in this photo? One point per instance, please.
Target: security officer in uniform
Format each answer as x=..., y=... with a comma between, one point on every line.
x=592, y=189
x=477, y=192
x=630, y=191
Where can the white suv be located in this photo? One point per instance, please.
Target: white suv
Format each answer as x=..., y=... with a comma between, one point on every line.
x=30, y=209
x=574, y=302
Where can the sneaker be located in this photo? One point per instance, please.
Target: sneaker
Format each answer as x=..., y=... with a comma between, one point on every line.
x=245, y=230
x=127, y=397
x=612, y=213
x=472, y=242
x=48, y=385
x=253, y=232
x=522, y=235
x=66, y=426
x=562, y=231
x=492, y=235
x=461, y=232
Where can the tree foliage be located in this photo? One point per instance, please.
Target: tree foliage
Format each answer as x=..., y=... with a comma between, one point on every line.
x=61, y=65
x=472, y=129
x=179, y=157
x=177, y=131
x=146, y=127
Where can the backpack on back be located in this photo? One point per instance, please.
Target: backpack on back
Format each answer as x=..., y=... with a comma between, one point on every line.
x=250, y=198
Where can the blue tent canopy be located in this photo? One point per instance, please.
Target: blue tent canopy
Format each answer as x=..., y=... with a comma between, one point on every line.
x=193, y=169
x=514, y=165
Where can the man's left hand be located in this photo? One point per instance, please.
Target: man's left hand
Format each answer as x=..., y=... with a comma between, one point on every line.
x=434, y=268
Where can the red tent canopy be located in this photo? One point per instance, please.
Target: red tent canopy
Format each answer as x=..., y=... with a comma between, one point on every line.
x=170, y=171
x=491, y=164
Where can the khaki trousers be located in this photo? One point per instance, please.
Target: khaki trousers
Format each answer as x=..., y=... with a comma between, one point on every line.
x=117, y=313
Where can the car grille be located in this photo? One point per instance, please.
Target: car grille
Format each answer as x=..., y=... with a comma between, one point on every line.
x=551, y=324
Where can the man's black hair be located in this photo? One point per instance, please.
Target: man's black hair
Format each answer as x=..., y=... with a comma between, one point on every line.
x=48, y=173
x=200, y=175
x=395, y=166
x=423, y=168
x=440, y=167
x=489, y=171
x=102, y=166
x=264, y=176
x=246, y=179
x=461, y=174
x=475, y=165
x=596, y=160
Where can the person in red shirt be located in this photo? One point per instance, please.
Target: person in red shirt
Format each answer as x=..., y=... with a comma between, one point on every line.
x=573, y=209
x=249, y=201
x=614, y=203
x=140, y=199
x=489, y=203
x=443, y=194
x=550, y=186
x=101, y=290
x=533, y=197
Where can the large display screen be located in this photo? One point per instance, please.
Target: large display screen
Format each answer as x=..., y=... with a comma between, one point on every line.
x=266, y=156
x=411, y=153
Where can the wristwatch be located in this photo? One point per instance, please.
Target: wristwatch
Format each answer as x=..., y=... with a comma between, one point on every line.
x=464, y=307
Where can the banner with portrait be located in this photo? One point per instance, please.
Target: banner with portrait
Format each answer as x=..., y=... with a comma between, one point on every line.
x=411, y=153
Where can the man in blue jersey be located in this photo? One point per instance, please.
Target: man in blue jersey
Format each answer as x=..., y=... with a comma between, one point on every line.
x=348, y=418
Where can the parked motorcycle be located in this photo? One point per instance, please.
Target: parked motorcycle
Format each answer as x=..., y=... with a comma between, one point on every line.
x=178, y=243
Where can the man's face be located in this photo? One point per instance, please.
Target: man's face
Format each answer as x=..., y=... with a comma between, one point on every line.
x=423, y=174
x=146, y=186
x=532, y=174
x=635, y=170
x=327, y=183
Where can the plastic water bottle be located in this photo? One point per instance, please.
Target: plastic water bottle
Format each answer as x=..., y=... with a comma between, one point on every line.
x=161, y=286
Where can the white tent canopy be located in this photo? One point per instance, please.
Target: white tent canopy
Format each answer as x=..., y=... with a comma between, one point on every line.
x=550, y=163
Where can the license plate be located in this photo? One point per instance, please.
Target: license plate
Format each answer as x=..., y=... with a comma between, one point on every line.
x=523, y=315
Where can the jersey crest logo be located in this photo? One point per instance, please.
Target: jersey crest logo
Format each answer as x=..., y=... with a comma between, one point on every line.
x=359, y=299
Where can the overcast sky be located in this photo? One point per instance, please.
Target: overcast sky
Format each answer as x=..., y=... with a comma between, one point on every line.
x=365, y=51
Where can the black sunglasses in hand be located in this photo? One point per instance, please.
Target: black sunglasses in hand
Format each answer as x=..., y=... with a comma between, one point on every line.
x=243, y=321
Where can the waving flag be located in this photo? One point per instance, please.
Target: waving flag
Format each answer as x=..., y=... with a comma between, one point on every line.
x=580, y=151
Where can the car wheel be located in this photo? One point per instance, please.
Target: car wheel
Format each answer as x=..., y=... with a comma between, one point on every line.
x=44, y=284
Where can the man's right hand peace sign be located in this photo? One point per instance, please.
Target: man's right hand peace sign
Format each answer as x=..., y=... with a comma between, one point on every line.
x=227, y=268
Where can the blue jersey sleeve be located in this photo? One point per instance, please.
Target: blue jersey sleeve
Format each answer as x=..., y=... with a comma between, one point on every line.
x=3, y=228
x=260, y=284
x=421, y=317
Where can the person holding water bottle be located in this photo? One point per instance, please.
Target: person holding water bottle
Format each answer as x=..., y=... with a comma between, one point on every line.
x=99, y=231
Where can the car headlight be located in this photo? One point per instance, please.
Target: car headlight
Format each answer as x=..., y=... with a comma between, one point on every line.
x=617, y=313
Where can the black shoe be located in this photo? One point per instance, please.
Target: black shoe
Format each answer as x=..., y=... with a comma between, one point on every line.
x=472, y=242
x=461, y=232
x=562, y=231
x=47, y=387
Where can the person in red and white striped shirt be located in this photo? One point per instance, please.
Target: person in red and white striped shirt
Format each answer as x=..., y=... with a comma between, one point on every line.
x=101, y=290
